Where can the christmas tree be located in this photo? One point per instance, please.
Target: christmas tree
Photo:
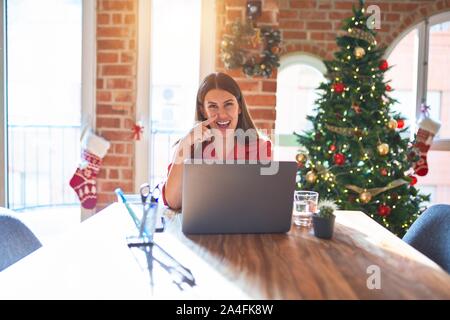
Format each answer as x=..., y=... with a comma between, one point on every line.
x=355, y=153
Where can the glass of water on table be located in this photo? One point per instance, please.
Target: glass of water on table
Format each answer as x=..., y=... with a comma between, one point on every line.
x=305, y=205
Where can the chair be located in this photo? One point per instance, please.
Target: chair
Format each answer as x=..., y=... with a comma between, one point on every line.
x=430, y=234
x=16, y=241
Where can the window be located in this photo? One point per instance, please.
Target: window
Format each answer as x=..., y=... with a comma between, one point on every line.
x=50, y=74
x=298, y=78
x=174, y=80
x=421, y=72
x=179, y=41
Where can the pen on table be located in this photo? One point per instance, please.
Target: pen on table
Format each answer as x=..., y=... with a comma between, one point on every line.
x=120, y=194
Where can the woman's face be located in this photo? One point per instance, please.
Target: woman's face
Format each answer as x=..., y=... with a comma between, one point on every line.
x=224, y=105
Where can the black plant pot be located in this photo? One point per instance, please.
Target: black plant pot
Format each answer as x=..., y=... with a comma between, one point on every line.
x=323, y=227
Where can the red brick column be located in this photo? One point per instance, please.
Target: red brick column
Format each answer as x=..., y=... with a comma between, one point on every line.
x=116, y=93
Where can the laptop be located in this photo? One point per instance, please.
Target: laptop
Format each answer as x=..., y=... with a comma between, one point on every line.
x=237, y=198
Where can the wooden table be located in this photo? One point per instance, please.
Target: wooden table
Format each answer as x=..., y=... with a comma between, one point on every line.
x=94, y=262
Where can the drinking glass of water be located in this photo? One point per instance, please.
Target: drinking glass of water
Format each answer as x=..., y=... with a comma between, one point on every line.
x=305, y=205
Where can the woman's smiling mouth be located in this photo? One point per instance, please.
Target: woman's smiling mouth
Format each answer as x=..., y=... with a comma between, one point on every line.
x=223, y=124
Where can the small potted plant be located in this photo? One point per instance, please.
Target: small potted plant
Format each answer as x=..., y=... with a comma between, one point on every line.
x=323, y=220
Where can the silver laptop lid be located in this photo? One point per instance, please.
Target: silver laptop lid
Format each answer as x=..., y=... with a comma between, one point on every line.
x=237, y=198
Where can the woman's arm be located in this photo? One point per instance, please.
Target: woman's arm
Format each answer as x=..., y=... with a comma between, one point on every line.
x=174, y=183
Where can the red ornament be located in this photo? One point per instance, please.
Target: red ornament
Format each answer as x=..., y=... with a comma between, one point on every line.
x=300, y=165
x=339, y=159
x=413, y=180
x=332, y=147
x=383, y=171
x=137, y=130
x=351, y=198
x=356, y=108
x=400, y=123
x=383, y=65
x=384, y=210
x=388, y=88
x=338, y=87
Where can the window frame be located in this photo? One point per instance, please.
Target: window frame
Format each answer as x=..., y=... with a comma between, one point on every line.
x=290, y=140
x=89, y=65
x=88, y=83
x=3, y=110
x=423, y=29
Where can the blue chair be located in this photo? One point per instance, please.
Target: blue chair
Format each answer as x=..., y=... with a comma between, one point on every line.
x=16, y=241
x=430, y=234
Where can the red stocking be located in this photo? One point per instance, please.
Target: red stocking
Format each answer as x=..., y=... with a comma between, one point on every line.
x=427, y=130
x=83, y=181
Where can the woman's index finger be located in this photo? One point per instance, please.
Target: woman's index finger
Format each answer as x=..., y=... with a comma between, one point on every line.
x=210, y=120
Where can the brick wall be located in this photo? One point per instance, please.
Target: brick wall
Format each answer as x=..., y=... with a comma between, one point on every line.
x=311, y=26
x=116, y=93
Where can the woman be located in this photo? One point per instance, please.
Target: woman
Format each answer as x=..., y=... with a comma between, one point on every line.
x=225, y=124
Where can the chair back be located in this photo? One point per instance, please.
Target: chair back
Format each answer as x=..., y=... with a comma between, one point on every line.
x=16, y=241
x=430, y=234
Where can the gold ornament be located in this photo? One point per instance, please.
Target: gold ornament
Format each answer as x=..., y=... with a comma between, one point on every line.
x=392, y=124
x=383, y=149
x=359, y=52
x=301, y=157
x=365, y=197
x=311, y=177
x=224, y=43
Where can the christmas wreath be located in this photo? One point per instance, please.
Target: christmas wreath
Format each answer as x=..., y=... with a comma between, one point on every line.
x=240, y=49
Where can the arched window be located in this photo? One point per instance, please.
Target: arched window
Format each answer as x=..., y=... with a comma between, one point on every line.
x=421, y=73
x=299, y=76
